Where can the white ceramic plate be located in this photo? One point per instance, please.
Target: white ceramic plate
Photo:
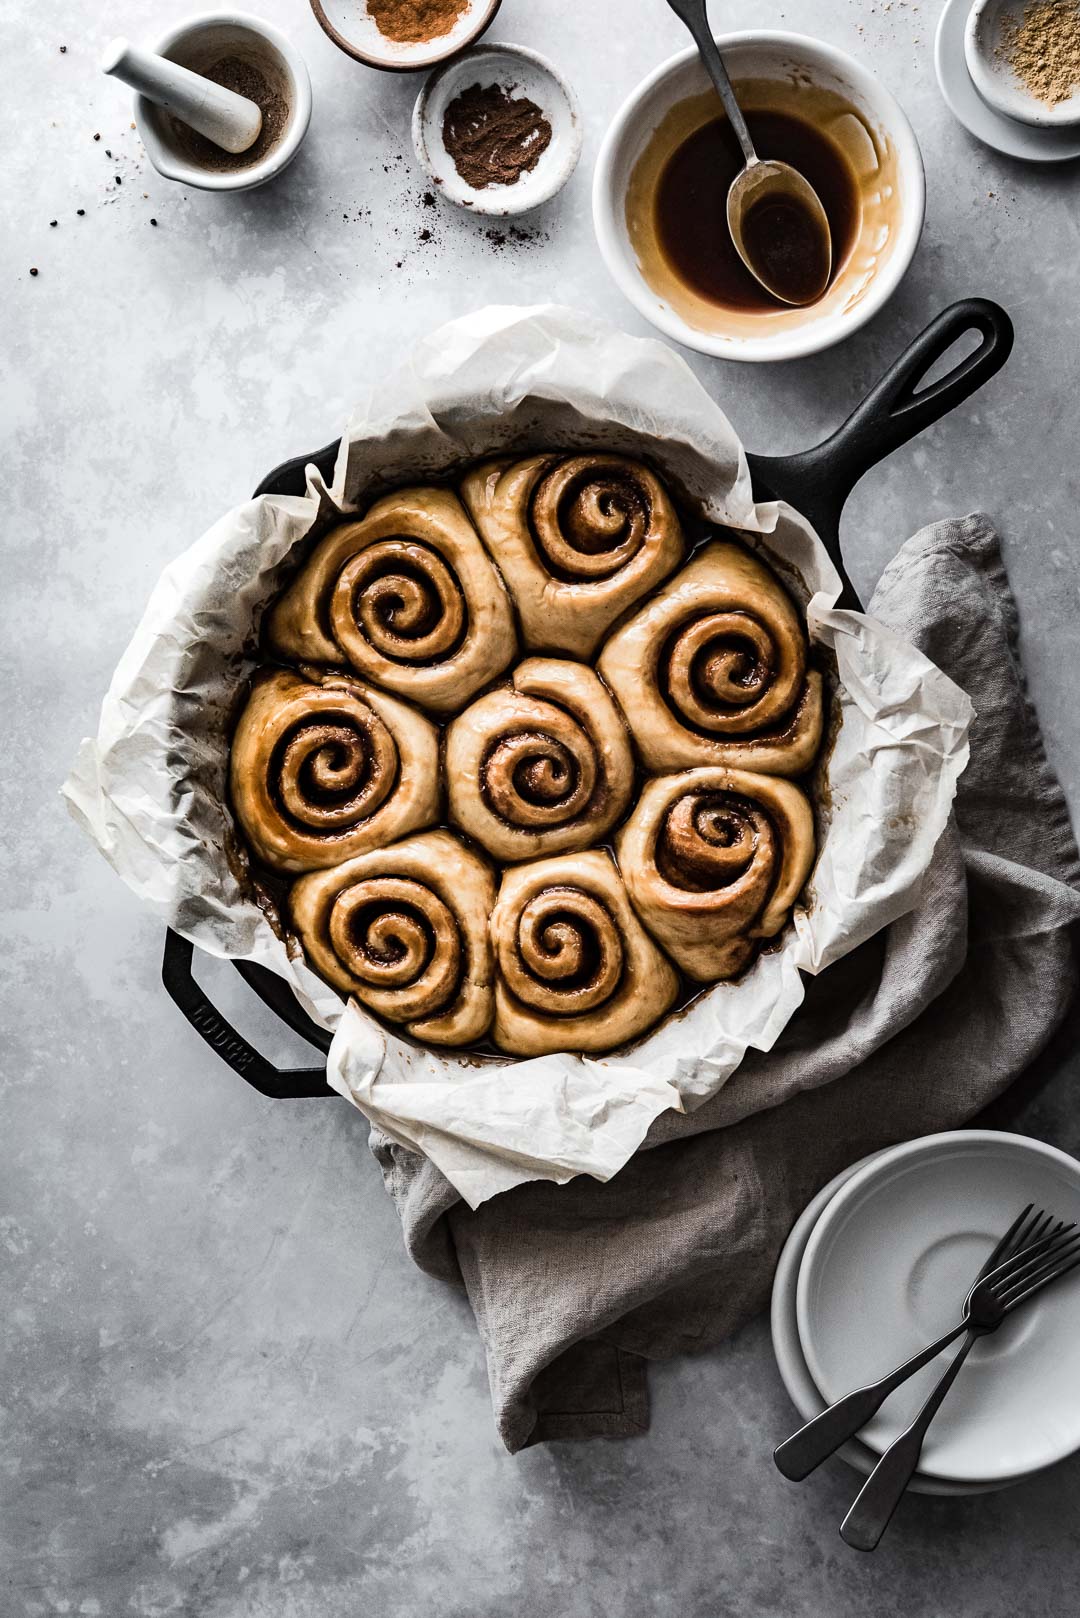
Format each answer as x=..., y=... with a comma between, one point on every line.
x=885, y=1271
x=791, y=1362
x=965, y=103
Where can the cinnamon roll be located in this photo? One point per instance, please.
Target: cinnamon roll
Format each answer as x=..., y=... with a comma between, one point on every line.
x=408, y=596
x=323, y=767
x=405, y=930
x=578, y=538
x=713, y=670
x=542, y=765
x=713, y=860
x=576, y=969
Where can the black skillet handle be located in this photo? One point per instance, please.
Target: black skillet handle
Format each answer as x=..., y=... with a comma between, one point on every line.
x=280, y=1084
x=818, y=481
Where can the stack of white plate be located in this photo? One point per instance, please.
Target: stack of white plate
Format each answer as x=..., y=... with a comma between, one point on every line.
x=879, y=1265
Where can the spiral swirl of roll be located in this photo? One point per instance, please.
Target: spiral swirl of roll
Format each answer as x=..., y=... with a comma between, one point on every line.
x=540, y=766
x=578, y=539
x=713, y=670
x=405, y=930
x=323, y=767
x=407, y=596
x=576, y=970
x=713, y=861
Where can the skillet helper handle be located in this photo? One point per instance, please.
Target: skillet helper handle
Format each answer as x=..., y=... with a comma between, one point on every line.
x=896, y=410
x=280, y=1084
x=805, y=1450
x=818, y=481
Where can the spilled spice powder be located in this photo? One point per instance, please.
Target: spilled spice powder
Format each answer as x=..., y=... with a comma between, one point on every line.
x=1043, y=48
x=493, y=137
x=414, y=22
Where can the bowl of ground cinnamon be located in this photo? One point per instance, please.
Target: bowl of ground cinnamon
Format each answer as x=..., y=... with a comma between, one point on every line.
x=403, y=36
x=498, y=129
x=1024, y=59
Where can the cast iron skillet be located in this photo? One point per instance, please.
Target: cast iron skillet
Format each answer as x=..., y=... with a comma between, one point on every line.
x=816, y=482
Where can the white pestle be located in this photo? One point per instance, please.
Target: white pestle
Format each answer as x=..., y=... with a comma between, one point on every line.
x=231, y=121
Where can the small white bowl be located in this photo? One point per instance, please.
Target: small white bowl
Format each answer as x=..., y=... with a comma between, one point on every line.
x=891, y=182
x=995, y=80
x=886, y=1270
x=203, y=39
x=353, y=30
x=519, y=72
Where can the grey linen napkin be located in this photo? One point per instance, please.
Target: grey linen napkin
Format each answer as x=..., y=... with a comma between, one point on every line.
x=575, y=1287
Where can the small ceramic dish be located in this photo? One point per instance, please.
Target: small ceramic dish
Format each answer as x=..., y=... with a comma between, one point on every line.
x=354, y=30
x=791, y=1361
x=197, y=43
x=520, y=73
x=1029, y=142
x=886, y=1270
x=779, y=72
x=989, y=26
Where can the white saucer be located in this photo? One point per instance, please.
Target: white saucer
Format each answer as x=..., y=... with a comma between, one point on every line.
x=885, y=1269
x=1028, y=141
x=791, y=1362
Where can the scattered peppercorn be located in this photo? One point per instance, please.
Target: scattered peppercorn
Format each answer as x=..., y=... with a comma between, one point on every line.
x=119, y=181
x=33, y=270
x=52, y=221
x=153, y=221
x=63, y=52
x=97, y=137
x=80, y=212
x=107, y=152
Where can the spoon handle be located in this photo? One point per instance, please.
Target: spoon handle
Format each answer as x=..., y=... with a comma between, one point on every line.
x=693, y=14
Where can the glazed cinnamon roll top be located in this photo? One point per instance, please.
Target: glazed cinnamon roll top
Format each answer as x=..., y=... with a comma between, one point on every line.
x=713, y=670
x=713, y=860
x=323, y=767
x=405, y=930
x=542, y=765
x=407, y=596
x=576, y=970
x=578, y=538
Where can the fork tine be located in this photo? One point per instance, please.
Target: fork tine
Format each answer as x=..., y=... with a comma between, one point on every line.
x=1006, y=1244
x=1055, y=1264
x=1015, y=1266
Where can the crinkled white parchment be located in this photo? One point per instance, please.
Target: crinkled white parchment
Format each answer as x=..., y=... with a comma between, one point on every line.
x=149, y=788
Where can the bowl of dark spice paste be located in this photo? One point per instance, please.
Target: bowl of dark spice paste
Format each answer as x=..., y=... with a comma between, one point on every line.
x=498, y=129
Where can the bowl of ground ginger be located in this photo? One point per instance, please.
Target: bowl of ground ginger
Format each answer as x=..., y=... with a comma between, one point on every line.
x=1024, y=59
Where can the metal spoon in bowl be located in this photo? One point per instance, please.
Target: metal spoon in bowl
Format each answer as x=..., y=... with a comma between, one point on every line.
x=779, y=227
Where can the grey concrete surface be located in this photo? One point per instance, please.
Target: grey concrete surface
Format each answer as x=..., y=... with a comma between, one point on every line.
x=226, y=1393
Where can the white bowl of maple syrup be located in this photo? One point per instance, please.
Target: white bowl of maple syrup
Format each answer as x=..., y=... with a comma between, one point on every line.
x=662, y=174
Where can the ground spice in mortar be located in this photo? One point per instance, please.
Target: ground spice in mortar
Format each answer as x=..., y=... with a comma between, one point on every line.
x=246, y=80
x=1043, y=48
x=493, y=137
x=414, y=22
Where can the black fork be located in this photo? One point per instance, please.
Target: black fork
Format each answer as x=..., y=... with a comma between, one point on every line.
x=991, y=1299
x=1015, y=1268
